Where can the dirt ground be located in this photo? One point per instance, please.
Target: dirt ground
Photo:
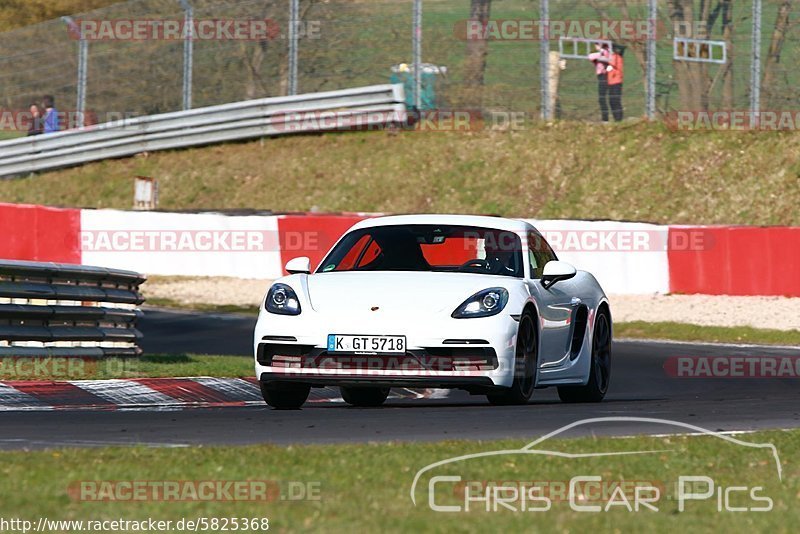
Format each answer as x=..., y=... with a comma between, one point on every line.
x=778, y=313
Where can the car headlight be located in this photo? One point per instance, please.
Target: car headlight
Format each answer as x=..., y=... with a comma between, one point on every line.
x=483, y=304
x=282, y=299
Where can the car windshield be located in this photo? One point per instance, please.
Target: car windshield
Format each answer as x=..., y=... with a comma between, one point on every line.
x=440, y=248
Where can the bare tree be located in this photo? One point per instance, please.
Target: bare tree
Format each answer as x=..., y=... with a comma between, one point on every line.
x=254, y=54
x=775, y=49
x=692, y=77
x=477, y=49
x=727, y=70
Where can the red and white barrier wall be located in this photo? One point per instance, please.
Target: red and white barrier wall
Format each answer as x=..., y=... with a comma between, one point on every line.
x=39, y=233
x=204, y=244
x=627, y=258
x=738, y=260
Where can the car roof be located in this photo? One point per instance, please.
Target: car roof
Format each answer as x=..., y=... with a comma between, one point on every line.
x=480, y=221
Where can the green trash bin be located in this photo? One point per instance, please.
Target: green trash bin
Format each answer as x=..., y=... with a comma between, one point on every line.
x=431, y=75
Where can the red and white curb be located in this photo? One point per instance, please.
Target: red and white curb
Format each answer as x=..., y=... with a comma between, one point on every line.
x=151, y=394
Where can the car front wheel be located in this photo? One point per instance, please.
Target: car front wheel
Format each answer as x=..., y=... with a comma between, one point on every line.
x=525, y=362
x=284, y=396
x=365, y=397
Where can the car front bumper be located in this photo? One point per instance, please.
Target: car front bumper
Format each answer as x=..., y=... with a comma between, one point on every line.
x=441, y=352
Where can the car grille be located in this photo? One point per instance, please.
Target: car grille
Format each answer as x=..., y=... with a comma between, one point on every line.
x=429, y=359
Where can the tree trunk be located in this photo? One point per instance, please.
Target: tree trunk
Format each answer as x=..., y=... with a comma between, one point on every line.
x=775, y=49
x=477, y=49
x=692, y=77
x=254, y=85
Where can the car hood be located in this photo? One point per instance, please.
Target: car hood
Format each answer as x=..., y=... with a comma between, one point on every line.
x=421, y=293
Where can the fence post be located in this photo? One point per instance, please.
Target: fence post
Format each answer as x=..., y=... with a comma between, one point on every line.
x=755, y=66
x=83, y=64
x=544, y=58
x=294, y=13
x=83, y=67
x=416, y=46
x=652, y=25
x=188, y=52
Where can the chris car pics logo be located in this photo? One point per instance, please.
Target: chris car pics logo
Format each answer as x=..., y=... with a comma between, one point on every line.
x=589, y=489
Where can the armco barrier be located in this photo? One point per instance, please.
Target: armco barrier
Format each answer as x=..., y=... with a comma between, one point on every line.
x=360, y=107
x=738, y=260
x=61, y=310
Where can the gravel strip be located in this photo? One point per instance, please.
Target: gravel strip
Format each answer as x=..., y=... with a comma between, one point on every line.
x=219, y=291
x=777, y=313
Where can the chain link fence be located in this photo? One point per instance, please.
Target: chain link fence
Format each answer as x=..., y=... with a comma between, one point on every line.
x=502, y=55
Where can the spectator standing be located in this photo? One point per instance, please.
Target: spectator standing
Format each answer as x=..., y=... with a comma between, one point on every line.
x=50, y=118
x=601, y=59
x=616, y=75
x=36, y=127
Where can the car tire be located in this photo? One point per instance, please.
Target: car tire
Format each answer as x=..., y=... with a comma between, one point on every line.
x=600, y=374
x=285, y=396
x=364, y=397
x=525, y=365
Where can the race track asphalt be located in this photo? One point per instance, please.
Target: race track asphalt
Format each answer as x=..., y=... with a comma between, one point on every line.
x=640, y=388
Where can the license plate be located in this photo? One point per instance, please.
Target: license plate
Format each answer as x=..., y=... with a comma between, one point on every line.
x=377, y=344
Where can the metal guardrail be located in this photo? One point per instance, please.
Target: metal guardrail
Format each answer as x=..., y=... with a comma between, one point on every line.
x=370, y=106
x=62, y=310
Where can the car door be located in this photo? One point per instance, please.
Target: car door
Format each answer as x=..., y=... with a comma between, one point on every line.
x=556, y=305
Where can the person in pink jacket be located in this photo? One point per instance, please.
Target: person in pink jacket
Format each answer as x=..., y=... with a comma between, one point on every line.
x=601, y=59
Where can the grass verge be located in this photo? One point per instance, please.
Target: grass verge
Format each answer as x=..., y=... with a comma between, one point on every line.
x=709, y=334
x=337, y=487
x=148, y=366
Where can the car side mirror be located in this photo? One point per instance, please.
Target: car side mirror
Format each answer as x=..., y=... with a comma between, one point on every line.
x=298, y=265
x=555, y=271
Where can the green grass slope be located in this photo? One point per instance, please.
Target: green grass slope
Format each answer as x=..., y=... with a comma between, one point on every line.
x=635, y=171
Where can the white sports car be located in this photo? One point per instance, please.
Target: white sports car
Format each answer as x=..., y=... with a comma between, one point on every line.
x=434, y=301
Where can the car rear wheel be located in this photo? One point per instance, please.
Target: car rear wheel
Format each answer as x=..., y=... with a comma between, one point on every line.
x=600, y=374
x=284, y=396
x=525, y=362
x=364, y=397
